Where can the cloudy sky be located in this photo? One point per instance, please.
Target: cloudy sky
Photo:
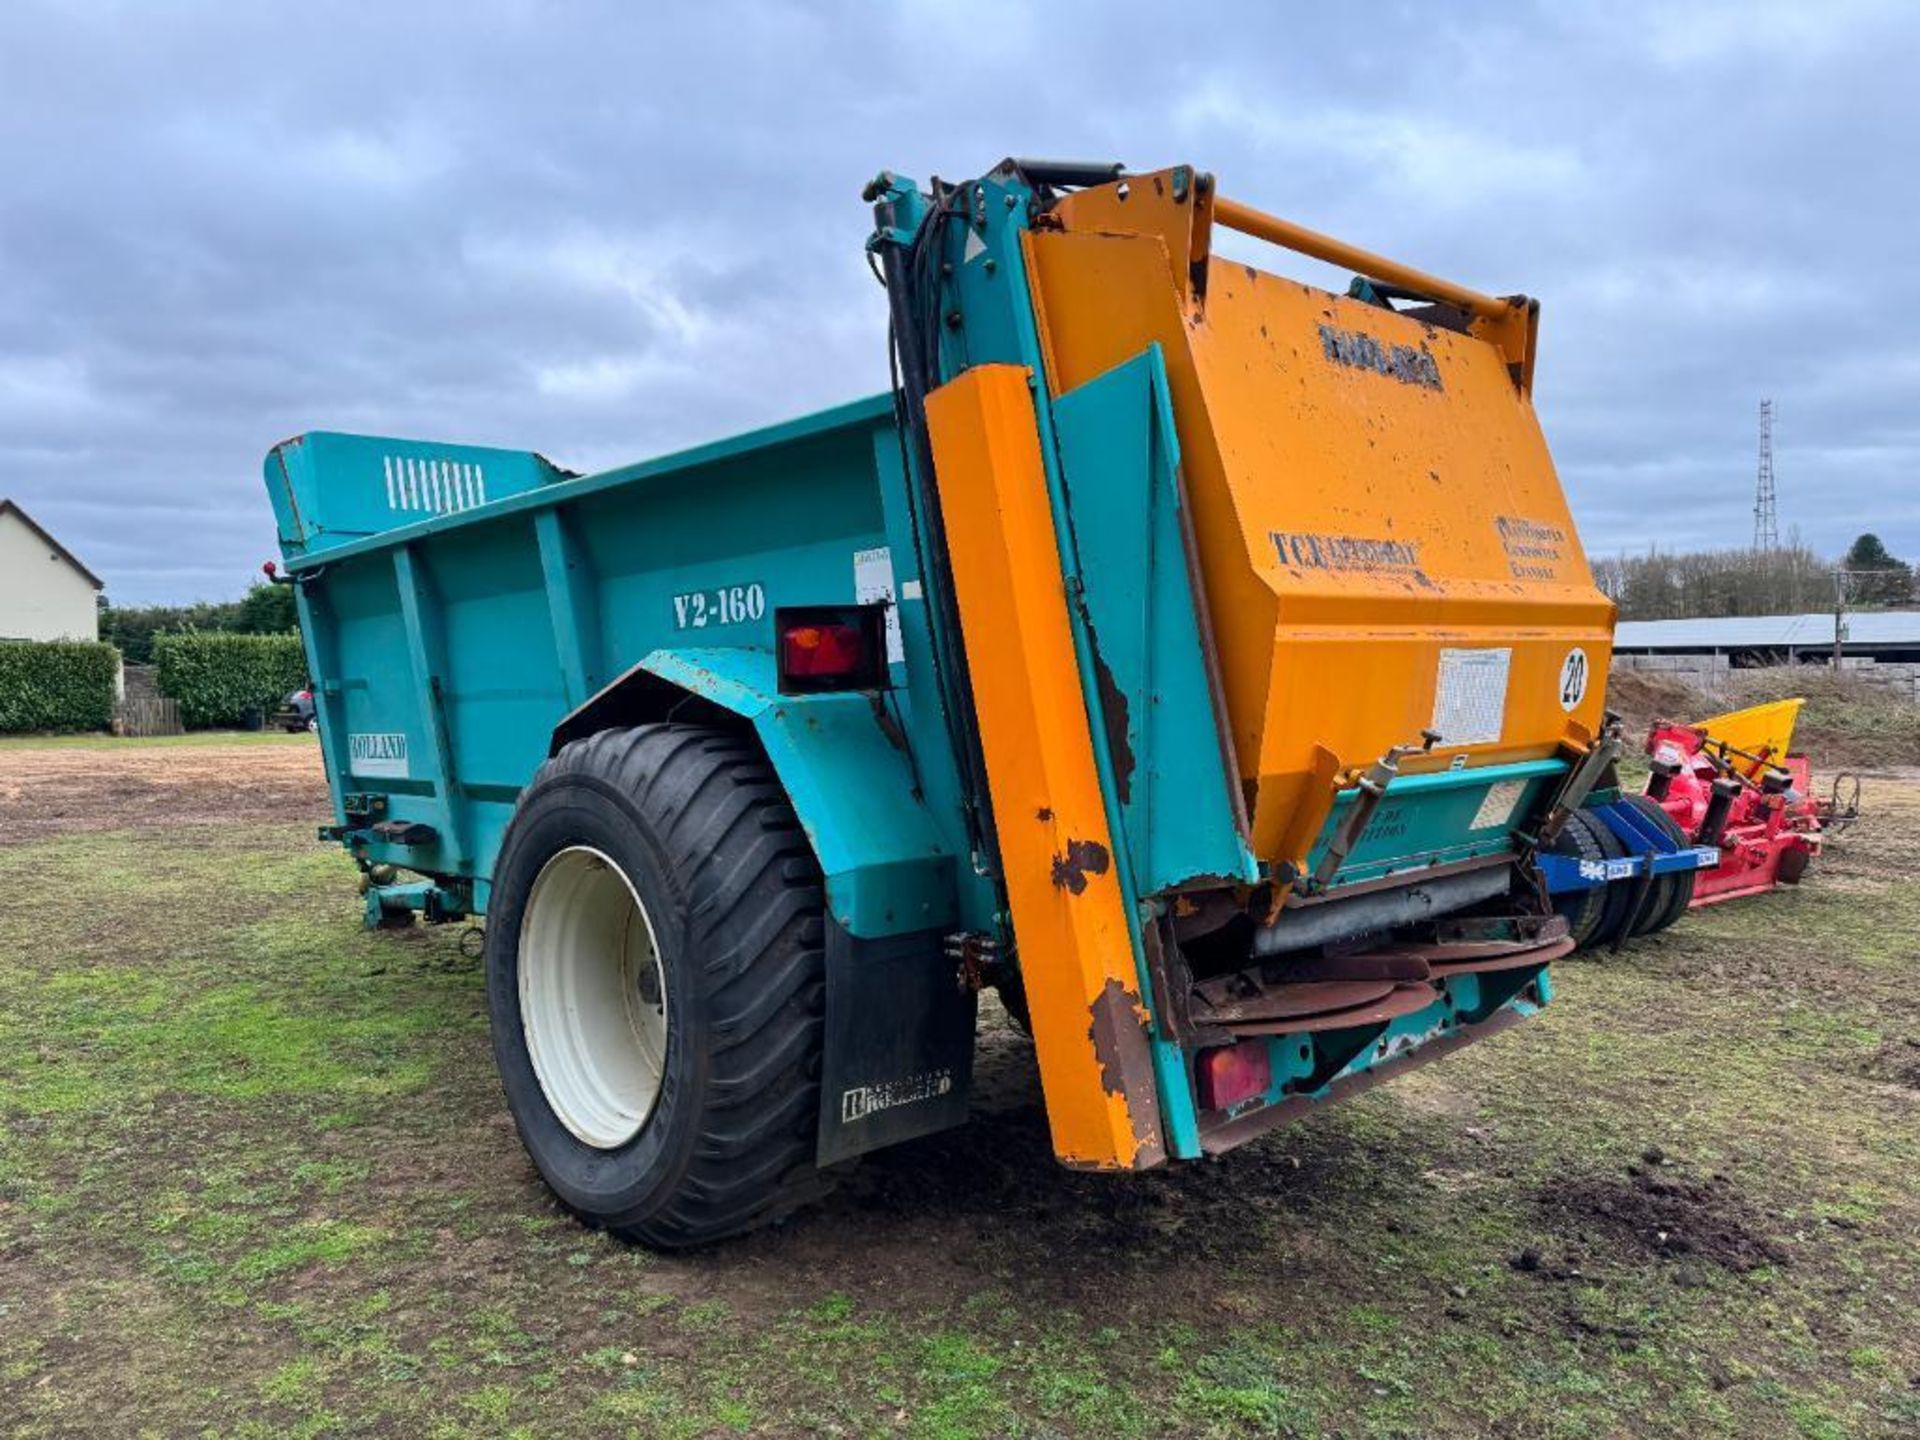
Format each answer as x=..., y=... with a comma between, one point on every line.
x=603, y=231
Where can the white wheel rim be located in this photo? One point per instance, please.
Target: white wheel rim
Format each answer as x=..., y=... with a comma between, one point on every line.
x=593, y=997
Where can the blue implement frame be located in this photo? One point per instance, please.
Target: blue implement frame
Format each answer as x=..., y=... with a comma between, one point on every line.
x=1649, y=851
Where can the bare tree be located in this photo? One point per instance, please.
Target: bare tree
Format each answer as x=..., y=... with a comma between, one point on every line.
x=1670, y=585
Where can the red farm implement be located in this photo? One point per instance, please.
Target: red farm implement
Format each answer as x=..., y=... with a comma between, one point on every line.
x=1733, y=783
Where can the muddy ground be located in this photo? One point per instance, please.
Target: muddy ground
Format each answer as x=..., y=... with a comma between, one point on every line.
x=88, y=784
x=256, y=1179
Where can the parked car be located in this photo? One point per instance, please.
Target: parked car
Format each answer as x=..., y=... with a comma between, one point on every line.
x=296, y=713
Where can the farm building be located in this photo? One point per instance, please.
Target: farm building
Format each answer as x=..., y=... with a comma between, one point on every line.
x=1879, y=645
x=45, y=592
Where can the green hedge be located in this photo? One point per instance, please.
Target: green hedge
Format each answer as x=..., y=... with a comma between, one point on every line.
x=56, y=684
x=218, y=678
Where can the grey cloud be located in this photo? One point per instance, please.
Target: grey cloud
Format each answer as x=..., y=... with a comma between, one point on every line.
x=604, y=230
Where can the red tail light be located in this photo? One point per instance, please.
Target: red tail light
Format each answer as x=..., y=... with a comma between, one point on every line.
x=817, y=652
x=830, y=647
x=1233, y=1073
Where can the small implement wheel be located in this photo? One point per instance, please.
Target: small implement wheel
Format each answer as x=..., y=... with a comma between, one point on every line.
x=1616, y=911
x=1584, y=910
x=1672, y=892
x=655, y=980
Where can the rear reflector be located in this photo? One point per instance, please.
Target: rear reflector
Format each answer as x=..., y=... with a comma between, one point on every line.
x=830, y=647
x=1233, y=1073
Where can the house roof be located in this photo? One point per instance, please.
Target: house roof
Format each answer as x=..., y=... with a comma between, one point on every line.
x=13, y=507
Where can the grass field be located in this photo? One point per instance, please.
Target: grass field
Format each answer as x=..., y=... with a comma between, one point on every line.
x=256, y=1179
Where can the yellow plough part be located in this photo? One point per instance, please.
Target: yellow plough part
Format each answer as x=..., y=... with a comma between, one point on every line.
x=1763, y=730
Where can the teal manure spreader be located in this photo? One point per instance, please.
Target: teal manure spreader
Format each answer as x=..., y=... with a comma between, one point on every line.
x=1203, y=660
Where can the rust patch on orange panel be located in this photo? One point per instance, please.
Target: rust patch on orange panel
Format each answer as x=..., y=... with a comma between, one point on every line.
x=1082, y=858
x=1118, y=1034
x=1115, y=1010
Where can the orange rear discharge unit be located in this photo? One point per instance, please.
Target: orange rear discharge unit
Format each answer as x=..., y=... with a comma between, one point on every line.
x=1284, y=651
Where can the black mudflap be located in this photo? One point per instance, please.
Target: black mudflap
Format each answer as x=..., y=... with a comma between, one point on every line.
x=898, y=1057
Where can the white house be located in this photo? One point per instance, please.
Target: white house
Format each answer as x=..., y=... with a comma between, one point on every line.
x=45, y=593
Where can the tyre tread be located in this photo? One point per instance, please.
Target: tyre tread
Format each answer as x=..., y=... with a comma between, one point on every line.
x=755, y=941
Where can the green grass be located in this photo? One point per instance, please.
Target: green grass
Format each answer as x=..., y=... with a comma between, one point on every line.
x=256, y=1179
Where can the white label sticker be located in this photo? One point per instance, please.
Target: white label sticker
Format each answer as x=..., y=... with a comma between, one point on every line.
x=1573, y=679
x=1608, y=870
x=873, y=583
x=1497, y=806
x=1470, y=695
x=864, y=1100
x=384, y=756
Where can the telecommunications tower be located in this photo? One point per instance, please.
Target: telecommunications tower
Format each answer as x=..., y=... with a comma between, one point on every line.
x=1766, y=526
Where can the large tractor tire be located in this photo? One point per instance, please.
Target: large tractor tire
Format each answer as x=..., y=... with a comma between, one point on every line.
x=655, y=979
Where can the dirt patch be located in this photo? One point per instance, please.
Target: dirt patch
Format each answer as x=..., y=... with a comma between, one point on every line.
x=1846, y=938
x=989, y=1199
x=1641, y=697
x=1654, y=1209
x=57, y=791
x=1847, y=723
x=1896, y=1062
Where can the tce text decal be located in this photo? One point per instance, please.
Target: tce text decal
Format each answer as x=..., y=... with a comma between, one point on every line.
x=1343, y=552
